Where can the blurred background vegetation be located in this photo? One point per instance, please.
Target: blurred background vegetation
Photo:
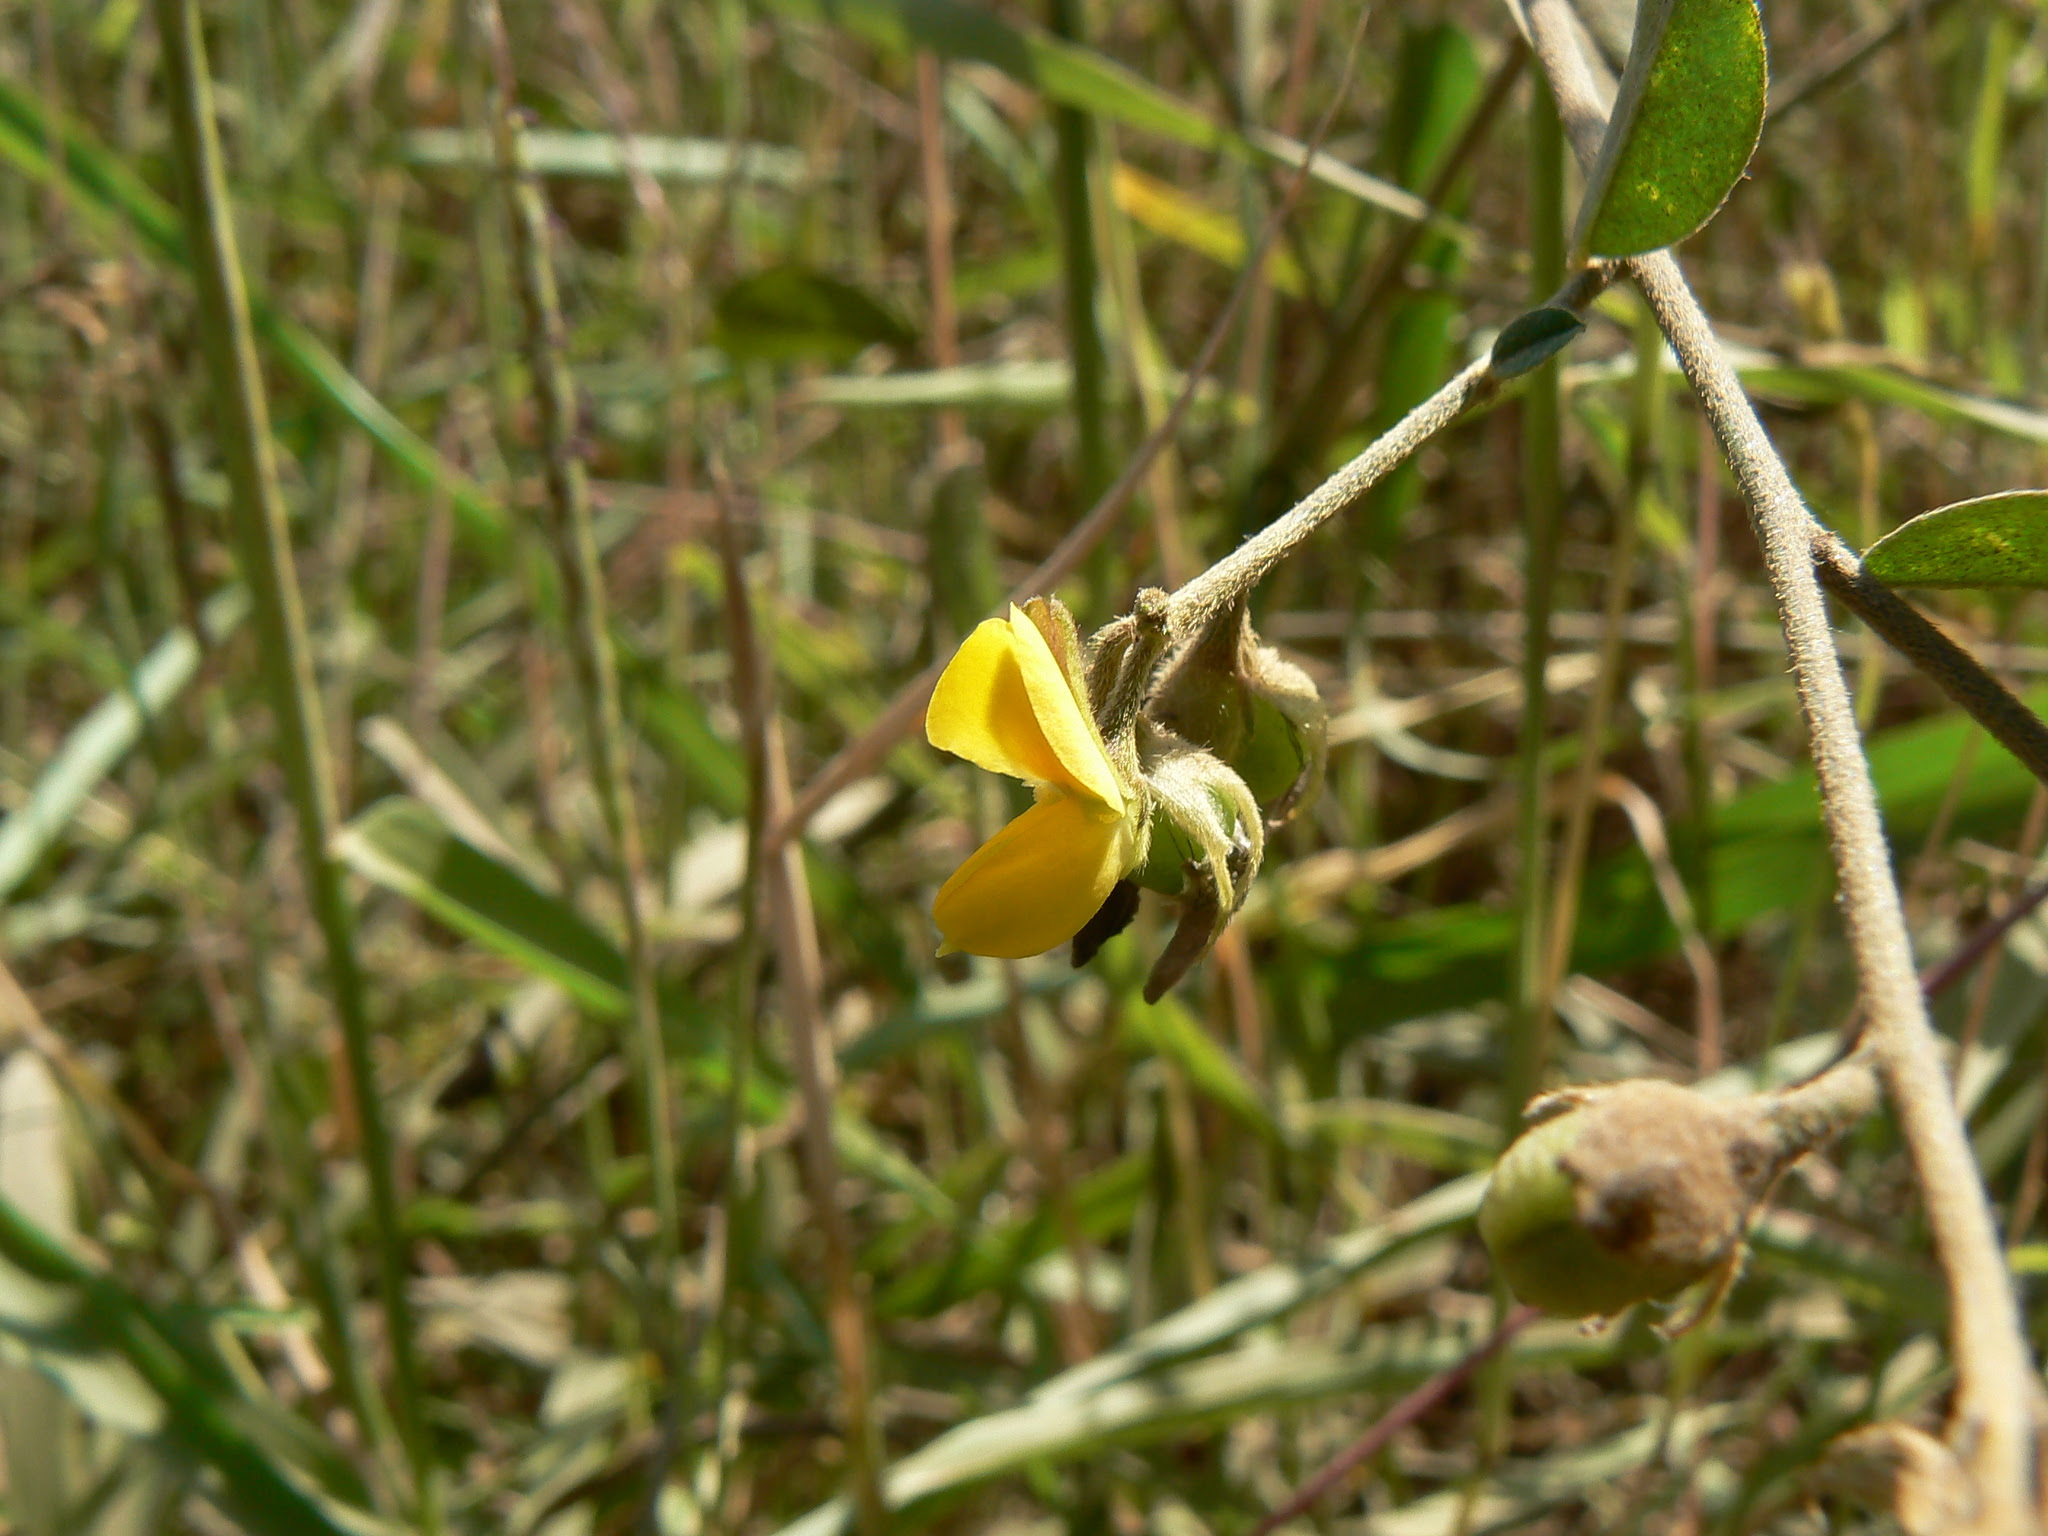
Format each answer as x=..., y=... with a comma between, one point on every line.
x=873, y=303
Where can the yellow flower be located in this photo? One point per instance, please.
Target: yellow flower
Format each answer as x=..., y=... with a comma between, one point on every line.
x=1007, y=704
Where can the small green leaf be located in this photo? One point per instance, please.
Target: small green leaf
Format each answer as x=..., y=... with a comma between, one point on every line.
x=1533, y=339
x=1686, y=120
x=792, y=312
x=1993, y=541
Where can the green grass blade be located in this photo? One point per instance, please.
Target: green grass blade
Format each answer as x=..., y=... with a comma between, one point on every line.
x=110, y=190
x=264, y=550
x=402, y=845
x=1270, y=1293
x=1218, y=1390
x=1436, y=1138
x=1079, y=77
x=196, y=1415
x=608, y=157
x=99, y=741
x=1169, y=1030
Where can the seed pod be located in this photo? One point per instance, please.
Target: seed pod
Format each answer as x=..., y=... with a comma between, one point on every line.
x=1115, y=914
x=1634, y=1191
x=1903, y=1472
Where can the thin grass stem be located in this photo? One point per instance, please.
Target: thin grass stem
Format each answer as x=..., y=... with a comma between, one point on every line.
x=244, y=433
x=574, y=544
x=1072, y=135
x=1542, y=510
x=1646, y=405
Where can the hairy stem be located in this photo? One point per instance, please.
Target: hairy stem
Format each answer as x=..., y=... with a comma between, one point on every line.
x=1198, y=603
x=1951, y=668
x=1991, y=1420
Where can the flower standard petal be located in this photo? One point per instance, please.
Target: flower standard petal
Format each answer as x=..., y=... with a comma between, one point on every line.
x=981, y=709
x=1067, y=730
x=1034, y=883
x=1004, y=704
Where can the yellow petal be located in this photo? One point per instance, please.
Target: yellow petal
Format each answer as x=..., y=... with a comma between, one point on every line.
x=1034, y=883
x=1004, y=704
x=1067, y=729
x=982, y=711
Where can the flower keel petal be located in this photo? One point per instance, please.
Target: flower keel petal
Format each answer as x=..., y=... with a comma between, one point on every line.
x=1032, y=885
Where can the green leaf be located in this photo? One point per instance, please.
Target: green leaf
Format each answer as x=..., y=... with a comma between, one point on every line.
x=610, y=156
x=401, y=844
x=791, y=312
x=1993, y=541
x=1532, y=339
x=1686, y=120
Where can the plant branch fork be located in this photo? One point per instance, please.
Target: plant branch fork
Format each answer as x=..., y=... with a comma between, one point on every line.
x=1992, y=1423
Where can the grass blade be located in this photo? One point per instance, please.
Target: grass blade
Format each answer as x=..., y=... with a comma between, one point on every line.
x=1081, y=78
x=99, y=741
x=109, y=190
x=267, y=566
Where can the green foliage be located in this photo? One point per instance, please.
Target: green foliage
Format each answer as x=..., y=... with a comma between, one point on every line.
x=789, y=313
x=401, y=844
x=1989, y=541
x=1115, y=1263
x=1687, y=121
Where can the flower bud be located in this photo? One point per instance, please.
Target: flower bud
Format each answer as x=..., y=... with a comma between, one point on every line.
x=1204, y=816
x=1206, y=840
x=1252, y=708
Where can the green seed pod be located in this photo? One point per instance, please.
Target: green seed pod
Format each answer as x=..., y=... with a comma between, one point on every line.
x=1634, y=1191
x=1581, y=1233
